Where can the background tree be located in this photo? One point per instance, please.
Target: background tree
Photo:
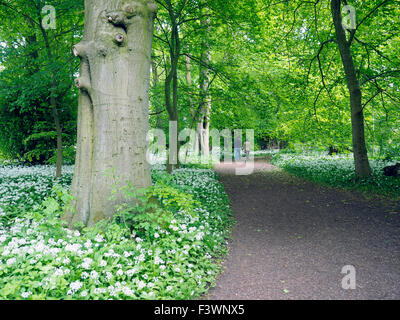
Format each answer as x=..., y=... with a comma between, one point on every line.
x=196, y=61
x=36, y=94
x=309, y=34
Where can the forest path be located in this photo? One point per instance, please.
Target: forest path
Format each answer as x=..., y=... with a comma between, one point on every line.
x=292, y=239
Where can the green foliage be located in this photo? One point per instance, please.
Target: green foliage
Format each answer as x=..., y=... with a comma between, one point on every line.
x=264, y=70
x=31, y=72
x=143, y=213
x=338, y=171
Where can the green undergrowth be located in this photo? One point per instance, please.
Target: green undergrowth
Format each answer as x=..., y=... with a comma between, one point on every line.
x=338, y=171
x=165, y=247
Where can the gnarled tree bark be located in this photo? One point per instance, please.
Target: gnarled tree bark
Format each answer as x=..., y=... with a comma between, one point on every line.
x=113, y=118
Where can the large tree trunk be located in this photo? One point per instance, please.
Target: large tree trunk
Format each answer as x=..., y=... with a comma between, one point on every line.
x=362, y=165
x=113, y=118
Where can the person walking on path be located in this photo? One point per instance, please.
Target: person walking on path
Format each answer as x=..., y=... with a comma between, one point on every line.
x=247, y=148
x=238, y=148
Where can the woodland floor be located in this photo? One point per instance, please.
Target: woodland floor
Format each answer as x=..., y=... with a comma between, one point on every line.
x=292, y=239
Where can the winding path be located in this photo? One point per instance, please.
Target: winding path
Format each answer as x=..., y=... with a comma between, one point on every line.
x=292, y=239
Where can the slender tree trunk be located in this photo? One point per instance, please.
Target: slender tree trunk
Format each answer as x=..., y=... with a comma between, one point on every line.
x=53, y=102
x=32, y=44
x=193, y=111
x=203, y=127
x=189, y=82
x=154, y=69
x=156, y=79
x=59, y=135
x=113, y=116
x=362, y=165
x=172, y=108
x=172, y=80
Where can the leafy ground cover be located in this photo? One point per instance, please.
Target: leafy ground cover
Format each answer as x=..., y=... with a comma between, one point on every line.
x=170, y=252
x=338, y=171
x=23, y=187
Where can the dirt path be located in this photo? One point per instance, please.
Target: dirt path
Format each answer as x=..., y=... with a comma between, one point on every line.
x=293, y=238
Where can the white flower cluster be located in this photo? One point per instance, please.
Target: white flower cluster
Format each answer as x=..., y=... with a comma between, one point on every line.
x=71, y=264
x=27, y=186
